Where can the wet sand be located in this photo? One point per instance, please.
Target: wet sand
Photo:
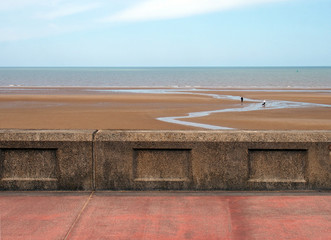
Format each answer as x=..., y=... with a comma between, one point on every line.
x=80, y=108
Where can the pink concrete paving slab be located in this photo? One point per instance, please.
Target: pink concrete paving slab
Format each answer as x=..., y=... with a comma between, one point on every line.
x=204, y=216
x=281, y=217
x=39, y=215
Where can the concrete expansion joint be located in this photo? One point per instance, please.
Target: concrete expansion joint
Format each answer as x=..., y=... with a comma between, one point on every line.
x=93, y=158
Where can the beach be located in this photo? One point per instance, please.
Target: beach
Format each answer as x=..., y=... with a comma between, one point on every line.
x=137, y=108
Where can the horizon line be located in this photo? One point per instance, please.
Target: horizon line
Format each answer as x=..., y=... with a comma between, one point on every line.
x=202, y=66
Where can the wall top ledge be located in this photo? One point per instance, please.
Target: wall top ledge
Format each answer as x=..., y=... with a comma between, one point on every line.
x=165, y=135
x=46, y=135
x=213, y=136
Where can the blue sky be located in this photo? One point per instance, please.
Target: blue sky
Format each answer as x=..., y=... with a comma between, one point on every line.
x=165, y=33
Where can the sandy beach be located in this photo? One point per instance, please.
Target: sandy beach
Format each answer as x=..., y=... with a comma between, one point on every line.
x=90, y=108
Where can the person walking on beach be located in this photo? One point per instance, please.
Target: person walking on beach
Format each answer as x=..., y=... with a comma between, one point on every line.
x=242, y=99
x=263, y=104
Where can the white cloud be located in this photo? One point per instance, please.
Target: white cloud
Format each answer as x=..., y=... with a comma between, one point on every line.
x=168, y=9
x=18, y=34
x=67, y=10
x=30, y=16
x=14, y=4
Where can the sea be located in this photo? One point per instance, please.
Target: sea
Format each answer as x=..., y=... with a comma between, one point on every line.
x=174, y=77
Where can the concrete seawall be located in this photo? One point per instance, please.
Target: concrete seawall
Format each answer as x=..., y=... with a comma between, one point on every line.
x=46, y=159
x=164, y=160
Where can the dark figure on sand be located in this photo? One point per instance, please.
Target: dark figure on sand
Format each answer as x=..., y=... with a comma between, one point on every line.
x=263, y=104
x=241, y=99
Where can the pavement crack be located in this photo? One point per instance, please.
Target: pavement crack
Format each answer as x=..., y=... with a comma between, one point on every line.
x=78, y=216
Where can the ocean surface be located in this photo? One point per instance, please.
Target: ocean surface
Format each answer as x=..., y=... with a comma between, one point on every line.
x=175, y=77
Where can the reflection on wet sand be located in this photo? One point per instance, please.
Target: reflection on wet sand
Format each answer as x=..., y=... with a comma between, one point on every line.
x=249, y=105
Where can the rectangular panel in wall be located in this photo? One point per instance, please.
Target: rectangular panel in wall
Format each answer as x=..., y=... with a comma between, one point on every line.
x=28, y=168
x=272, y=166
x=162, y=165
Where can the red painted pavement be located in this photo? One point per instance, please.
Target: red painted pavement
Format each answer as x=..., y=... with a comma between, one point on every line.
x=34, y=215
x=166, y=215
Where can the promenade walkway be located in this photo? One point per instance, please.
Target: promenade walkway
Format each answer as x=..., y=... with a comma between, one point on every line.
x=165, y=215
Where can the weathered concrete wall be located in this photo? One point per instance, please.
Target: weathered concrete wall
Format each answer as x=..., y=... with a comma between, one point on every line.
x=45, y=160
x=165, y=160
x=212, y=160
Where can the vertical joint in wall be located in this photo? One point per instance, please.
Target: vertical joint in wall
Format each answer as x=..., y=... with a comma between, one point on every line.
x=93, y=159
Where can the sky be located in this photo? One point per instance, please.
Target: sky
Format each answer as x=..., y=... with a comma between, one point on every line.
x=119, y=33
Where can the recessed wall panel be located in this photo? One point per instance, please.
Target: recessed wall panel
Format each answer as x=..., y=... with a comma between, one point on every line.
x=29, y=168
x=277, y=165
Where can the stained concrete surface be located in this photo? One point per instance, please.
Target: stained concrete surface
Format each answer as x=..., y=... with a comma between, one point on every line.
x=46, y=159
x=164, y=160
x=212, y=160
x=165, y=215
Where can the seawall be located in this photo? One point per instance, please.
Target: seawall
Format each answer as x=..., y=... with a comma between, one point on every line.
x=164, y=160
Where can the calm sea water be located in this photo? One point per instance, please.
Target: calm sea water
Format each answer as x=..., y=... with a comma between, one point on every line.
x=246, y=77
